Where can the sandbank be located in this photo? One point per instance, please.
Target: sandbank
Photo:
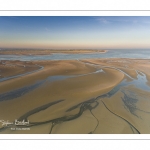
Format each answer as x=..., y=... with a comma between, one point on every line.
x=84, y=105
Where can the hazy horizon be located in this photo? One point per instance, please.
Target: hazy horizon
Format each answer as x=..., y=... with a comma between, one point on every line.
x=72, y=32
x=73, y=49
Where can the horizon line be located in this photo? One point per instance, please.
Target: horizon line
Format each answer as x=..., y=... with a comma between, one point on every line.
x=69, y=48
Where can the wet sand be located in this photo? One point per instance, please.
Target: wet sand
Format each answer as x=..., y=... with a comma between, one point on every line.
x=70, y=96
x=13, y=68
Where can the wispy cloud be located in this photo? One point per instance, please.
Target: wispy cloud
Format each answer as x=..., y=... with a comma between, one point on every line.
x=47, y=29
x=146, y=22
x=123, y=19
x=102, y=20
x=109, y=20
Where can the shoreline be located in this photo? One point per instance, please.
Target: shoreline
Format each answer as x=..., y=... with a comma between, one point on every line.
x=48, y=52
x=76, y=93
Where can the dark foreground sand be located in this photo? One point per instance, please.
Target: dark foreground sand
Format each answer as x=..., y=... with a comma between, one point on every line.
x=69, y=96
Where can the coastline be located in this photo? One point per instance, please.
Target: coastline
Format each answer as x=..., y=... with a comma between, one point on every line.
x=49, y=52
x=81, y=83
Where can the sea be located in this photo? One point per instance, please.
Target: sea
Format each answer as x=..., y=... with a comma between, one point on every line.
x=113, y=53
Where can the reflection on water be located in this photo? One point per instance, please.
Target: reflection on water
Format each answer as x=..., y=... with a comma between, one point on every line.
x=144, y=54
x=140, y=83
x=63, y=77
x=22, y=91
x=130, y=98
x=19, y=92
x=20, y=75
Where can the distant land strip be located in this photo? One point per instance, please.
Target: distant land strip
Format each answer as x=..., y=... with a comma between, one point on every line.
x=48, y=51
x=75, y=10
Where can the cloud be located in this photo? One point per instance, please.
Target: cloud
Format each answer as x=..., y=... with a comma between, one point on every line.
x=102, y=20
x=47, y=29
x=146, y=22
x=110, y=20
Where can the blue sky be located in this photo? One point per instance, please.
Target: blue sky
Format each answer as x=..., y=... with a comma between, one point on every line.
x=93, y=32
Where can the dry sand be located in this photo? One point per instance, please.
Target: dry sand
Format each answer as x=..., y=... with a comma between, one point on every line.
x=102, y=115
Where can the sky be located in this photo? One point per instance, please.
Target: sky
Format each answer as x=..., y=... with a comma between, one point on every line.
x=75, y=32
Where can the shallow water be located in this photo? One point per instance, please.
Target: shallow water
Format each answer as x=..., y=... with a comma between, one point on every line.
x=130, y=98
x=143, y=54
x=20, y=75
x=140, y=83
x=22, y=91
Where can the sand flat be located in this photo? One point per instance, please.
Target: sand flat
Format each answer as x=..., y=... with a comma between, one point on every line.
x=73, y=89
x=79, y=92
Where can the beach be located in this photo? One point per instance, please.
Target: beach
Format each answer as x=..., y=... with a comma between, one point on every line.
x=96, y=96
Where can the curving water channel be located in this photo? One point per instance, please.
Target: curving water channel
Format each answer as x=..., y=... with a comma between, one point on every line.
x=140, y=82
x=20, y=75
